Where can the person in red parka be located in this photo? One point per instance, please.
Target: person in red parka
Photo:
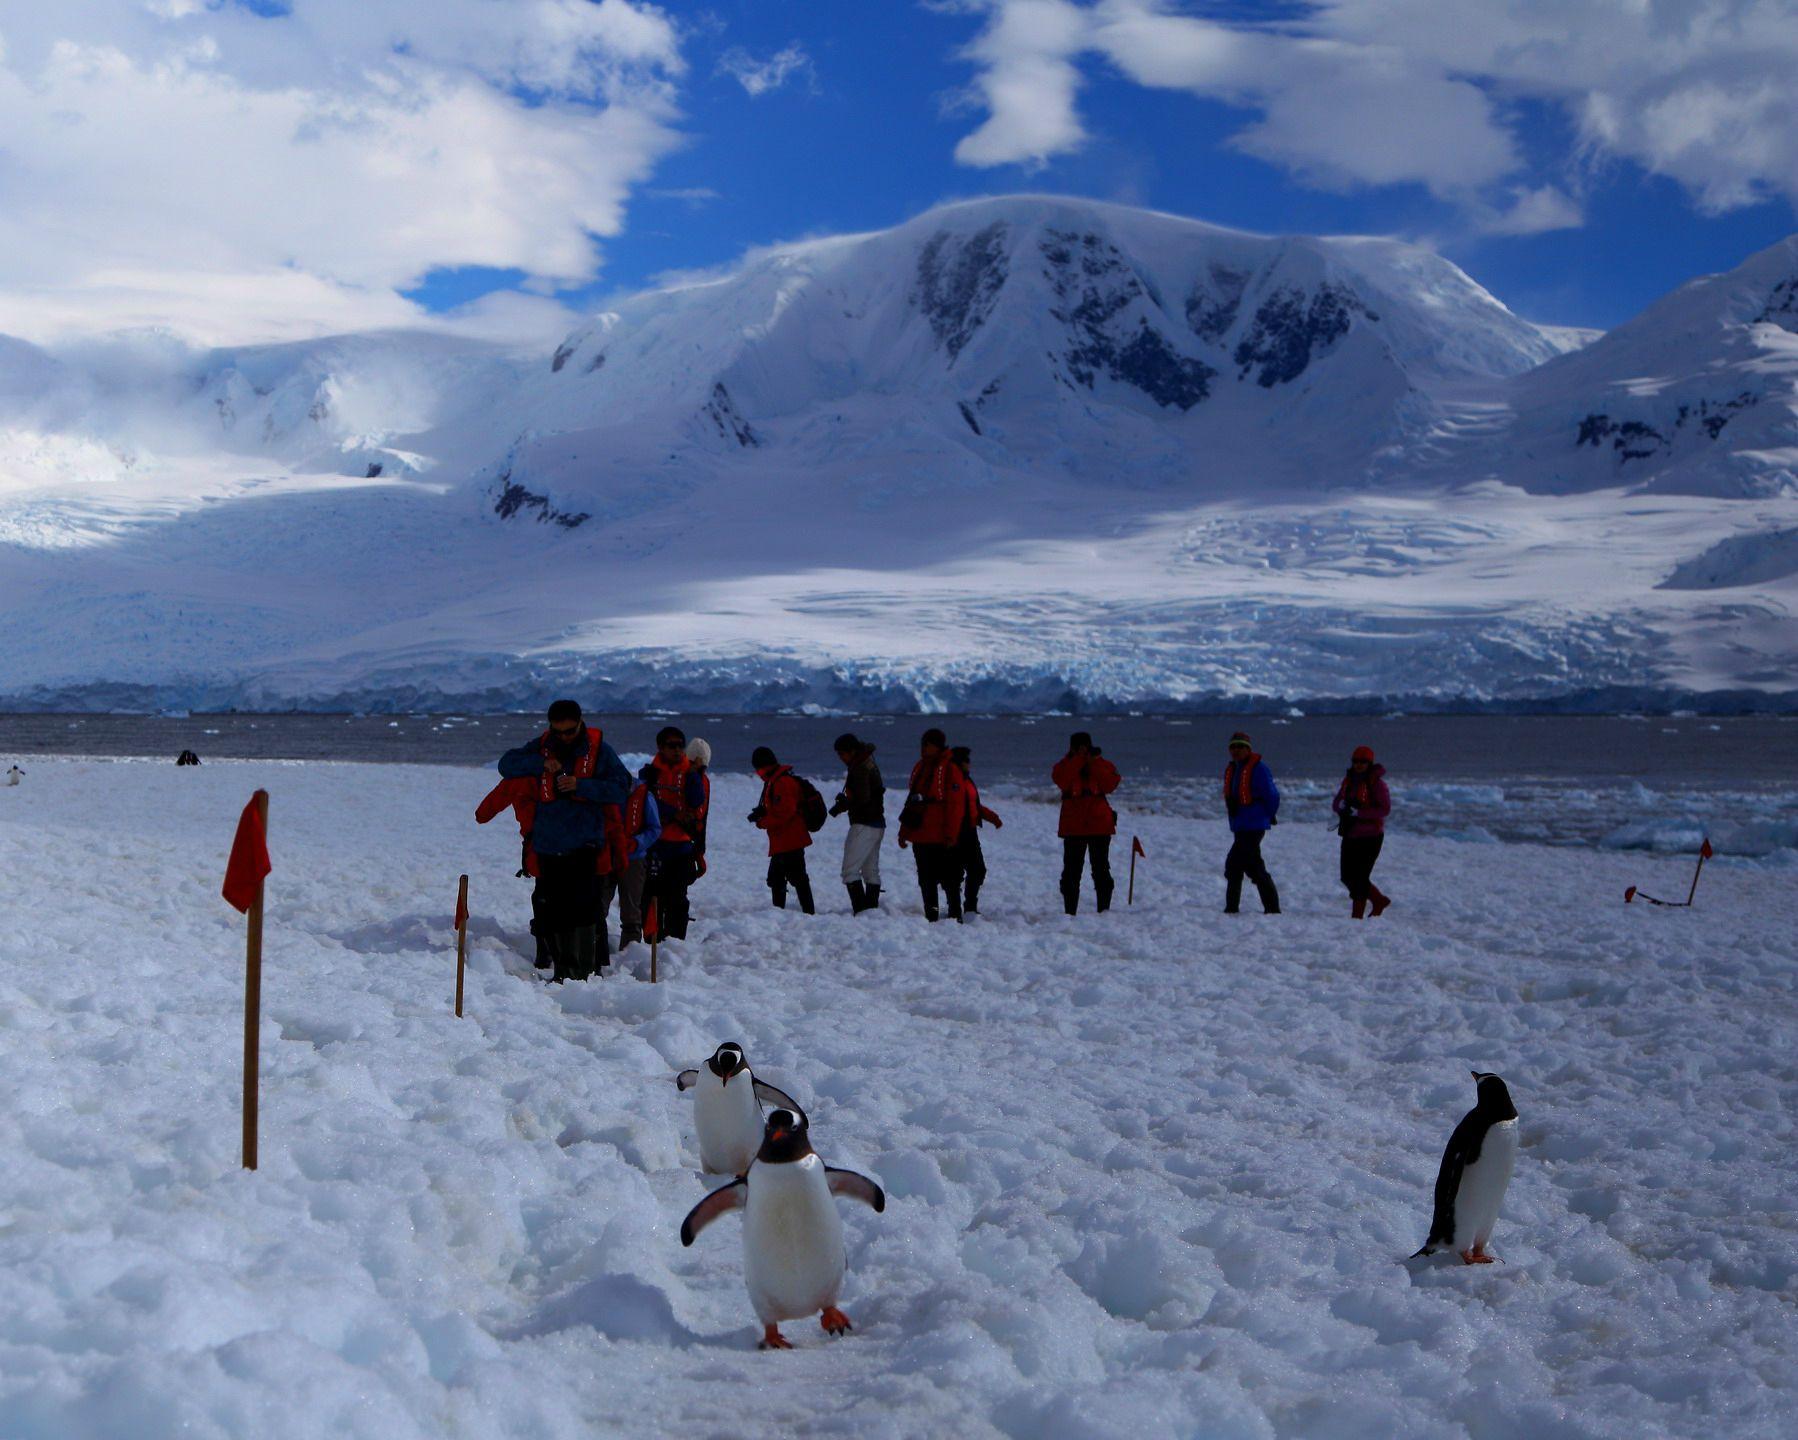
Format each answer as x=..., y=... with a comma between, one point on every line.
x=936, y=807
x=971, y=859
x=779, y=814
x=1363, y=802
x=1085, y=778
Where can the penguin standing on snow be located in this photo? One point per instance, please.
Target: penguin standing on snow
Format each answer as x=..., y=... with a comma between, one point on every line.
x=1476, y=1168
x=793, y=1256
x=727, y=1111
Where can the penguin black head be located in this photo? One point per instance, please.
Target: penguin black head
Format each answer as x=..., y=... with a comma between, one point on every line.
x=785, y=1138
x=727, y=1060
x=1494, y=1100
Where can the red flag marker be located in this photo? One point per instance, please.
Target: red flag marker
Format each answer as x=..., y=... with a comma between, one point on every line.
x=248, y=865
x=1135, y=850
x=652, y=927
x=244, y=874
x=1704, y=853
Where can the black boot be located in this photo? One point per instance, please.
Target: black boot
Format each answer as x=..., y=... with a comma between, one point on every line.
x=580, y=950
x=1270, y=897
x=803, y=889
x=780, y=896
x=1104, y=892
x=873, y=897
x=1232, y=894
x=971, y=906
x=858, y=897
x=1070, y=900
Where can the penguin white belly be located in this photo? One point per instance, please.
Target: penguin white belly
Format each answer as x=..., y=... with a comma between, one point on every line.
x=729, y=1123
x=793, y=1256
x=1483, y=1186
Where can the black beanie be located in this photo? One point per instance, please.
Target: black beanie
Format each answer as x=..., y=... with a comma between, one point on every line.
x=564, y=710
x=763, y=758
x=1079, y=739
x=935, y=737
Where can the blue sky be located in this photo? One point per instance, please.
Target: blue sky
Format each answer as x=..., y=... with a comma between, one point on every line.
x=865, y=137
x=240, y=169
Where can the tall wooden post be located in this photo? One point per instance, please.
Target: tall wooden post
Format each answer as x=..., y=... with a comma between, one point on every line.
x=1704, y=853
x=653, y=924
x=461, y=940
x=1130, y=893
x=252, y=1006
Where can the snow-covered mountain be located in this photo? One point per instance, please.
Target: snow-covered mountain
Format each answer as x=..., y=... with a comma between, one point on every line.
x=1023, y=451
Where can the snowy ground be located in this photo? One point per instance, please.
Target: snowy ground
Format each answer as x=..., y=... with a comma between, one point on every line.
x=1150, y=1174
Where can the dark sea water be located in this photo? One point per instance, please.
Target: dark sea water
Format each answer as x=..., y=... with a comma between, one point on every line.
x=1655, y=783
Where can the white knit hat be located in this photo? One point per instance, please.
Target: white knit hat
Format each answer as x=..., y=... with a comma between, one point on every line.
x=699, y=752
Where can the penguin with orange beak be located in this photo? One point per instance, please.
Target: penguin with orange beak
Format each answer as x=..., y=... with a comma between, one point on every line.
x=793, y=1256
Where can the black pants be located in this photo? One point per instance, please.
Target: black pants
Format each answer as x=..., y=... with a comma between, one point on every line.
x=1076, y=850
x=789, y=869
x=1245, y=859
x=939, y=868
x=972, y=864
x=569, y=913
x=667, y=884
x=1358, y=855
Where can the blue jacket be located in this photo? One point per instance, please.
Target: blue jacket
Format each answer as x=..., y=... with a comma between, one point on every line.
x=570, y=822
x=1264, y=796
x=651, y=832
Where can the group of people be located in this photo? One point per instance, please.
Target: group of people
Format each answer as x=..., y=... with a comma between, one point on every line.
x=591, y=832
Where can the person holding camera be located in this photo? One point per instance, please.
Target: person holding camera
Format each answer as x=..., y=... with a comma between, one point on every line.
x=1085, y=778
x=778, y=813
x=1253, y=802
x=1363, y=802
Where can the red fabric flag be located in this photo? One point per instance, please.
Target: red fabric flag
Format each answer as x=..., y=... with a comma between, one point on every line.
x=461, y=908
x=1705, y=849
x=249, y=860
x=652, y=923
x=1136, y=848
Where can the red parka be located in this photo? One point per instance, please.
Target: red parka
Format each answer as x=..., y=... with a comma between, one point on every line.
x=940, y=785
x=781, y=817
x=1084, y=782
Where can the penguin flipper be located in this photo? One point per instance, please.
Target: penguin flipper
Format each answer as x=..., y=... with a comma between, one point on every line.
x=721, y=1201
x=1455, y=1160
x=687, y=1079
x=778, y=1098
x=856, y=1187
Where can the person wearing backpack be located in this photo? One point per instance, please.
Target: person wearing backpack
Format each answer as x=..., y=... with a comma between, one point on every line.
x=681, y=795
x=936, y=806
x=781, y=814
x=642, y=828
x=863, y=799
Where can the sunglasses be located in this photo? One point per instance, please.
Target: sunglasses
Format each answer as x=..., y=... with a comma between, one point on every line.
x=567, y=733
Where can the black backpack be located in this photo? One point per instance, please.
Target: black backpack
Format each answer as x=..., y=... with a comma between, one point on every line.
x=812, y=808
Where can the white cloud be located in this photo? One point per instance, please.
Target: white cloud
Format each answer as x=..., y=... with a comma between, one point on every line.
x=1379, y=92
x=759, y=77
x=239, y=176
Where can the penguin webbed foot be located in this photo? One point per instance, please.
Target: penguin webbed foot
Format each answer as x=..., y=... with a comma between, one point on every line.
x=1477, y=1256
x=835, y=1322
x=772, y=1339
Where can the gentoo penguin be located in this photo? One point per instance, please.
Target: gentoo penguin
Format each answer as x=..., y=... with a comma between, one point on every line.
x=727, y=1111
x=1476, y=1168
x=793, y=1257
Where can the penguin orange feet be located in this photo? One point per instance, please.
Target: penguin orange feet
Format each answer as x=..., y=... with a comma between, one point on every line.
x=772, y=1339
x=1477, y=1256
x=834, y=1321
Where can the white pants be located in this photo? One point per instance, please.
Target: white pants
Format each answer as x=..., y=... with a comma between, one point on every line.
x=861, y=854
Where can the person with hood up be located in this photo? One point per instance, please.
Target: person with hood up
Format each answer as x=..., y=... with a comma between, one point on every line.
x=1253, y=802
x=936, y=806
x=1085, y=778
x=779, y=814
x=576, y=774
x=1363, y=802
x=970, y=860
x=863, y=799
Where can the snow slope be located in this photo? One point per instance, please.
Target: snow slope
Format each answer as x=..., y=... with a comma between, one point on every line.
x=1024, y=452
x=1149, y=1174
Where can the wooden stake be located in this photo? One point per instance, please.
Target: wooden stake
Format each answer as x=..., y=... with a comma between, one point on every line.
x=1704, y=853
x=252, y=1006
x=461, y=939
x=654, y=926
x=1130, y=894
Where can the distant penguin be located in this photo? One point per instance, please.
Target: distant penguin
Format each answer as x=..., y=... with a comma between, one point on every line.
x=14, y=775
x=793, y=1256
x=1476, y=1168
x=727, y=1111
